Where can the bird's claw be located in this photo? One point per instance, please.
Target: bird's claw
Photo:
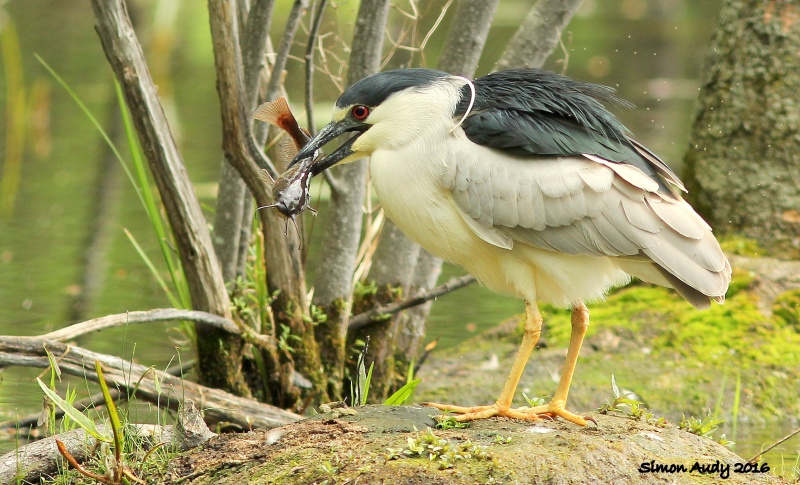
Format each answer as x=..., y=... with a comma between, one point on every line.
x=548, y=412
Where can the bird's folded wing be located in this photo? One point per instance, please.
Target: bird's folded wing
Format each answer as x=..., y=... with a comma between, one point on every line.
x=588, y=206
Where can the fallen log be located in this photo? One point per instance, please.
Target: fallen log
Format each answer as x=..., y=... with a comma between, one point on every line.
x=147, y=383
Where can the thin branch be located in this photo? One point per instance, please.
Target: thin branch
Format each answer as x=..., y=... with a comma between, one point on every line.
x=368, y=318
x=238, y=143
x=773, y=445
x=157, y=315
x=254, y=45
x=312, y=40
x=298, y=9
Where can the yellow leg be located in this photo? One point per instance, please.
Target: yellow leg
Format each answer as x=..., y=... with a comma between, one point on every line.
x=556, y=407
x=502, y=407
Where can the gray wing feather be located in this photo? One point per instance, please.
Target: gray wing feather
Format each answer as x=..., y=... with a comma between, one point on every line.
x=588, y=206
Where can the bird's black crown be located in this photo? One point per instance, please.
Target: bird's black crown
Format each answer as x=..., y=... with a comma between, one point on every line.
x=373, y=90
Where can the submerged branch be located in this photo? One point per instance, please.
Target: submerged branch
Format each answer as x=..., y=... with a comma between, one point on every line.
x=368, y=318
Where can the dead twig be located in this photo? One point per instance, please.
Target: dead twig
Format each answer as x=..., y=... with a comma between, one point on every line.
x=159, y=314
x=773, y=445
x=368, y=318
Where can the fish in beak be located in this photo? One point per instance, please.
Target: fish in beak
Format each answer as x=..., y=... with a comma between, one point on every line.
x=291, y=190
x=326, y=135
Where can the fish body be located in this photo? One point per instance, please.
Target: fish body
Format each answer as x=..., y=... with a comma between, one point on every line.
x=291, y=189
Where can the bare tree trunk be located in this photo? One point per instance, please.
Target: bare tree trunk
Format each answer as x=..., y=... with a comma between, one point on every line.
x=742, y=168
x=231, y=223
x=285, y=275
x=539, y=34
x=334, y=282
x=219, y=354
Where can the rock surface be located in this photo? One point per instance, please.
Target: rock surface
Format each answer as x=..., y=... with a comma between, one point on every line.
x=394, y=445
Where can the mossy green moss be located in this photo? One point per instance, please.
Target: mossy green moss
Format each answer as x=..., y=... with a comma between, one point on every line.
x=787, y=308
x=734, y=332
x=742, y=246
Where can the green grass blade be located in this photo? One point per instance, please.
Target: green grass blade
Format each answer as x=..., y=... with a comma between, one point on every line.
x=113, y=415
x=92, y=119
x=367, y=382
x=147, y=196
x=403, y=394
x=139, y=182
x=736, y=400
x=174, y=301
x=75, y=415
x=720, y=396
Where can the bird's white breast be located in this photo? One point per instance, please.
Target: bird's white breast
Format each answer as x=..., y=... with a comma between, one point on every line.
x=408, y=182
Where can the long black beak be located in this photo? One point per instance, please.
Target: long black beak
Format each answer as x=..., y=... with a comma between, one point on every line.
x=327, y=134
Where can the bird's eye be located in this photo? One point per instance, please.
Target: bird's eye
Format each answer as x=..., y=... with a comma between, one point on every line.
x=360, y=112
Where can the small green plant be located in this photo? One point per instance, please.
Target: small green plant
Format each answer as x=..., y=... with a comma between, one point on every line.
x=285, y=338
x=316, y=315
x=407, y=391
x=330, y=469
x=502, y=440
x=449, y=422
x=533, y=401
x=118, y=450
x=364, y=290
x=704, y=427
x=117, y=471
x=629, y=407
x=439, y=450
x=359, y=387
x=620, y=404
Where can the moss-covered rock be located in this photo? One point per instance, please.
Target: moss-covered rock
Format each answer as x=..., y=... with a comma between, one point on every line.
x=392, y=445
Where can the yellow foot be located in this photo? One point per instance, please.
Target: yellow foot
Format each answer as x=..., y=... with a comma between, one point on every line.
x=548, y=411
x=554, y=409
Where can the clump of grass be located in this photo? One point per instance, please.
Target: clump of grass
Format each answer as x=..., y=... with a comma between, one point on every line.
x=445, y=453
x=123, y=456
x=449, y=422
x=705, y=427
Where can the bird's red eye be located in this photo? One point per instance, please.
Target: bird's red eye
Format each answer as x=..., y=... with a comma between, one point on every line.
x=360, y=112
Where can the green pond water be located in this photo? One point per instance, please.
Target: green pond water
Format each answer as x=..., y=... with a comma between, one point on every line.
x=650, y=51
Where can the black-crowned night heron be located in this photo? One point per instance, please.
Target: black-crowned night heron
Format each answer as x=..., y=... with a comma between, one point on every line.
x=525, y=179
